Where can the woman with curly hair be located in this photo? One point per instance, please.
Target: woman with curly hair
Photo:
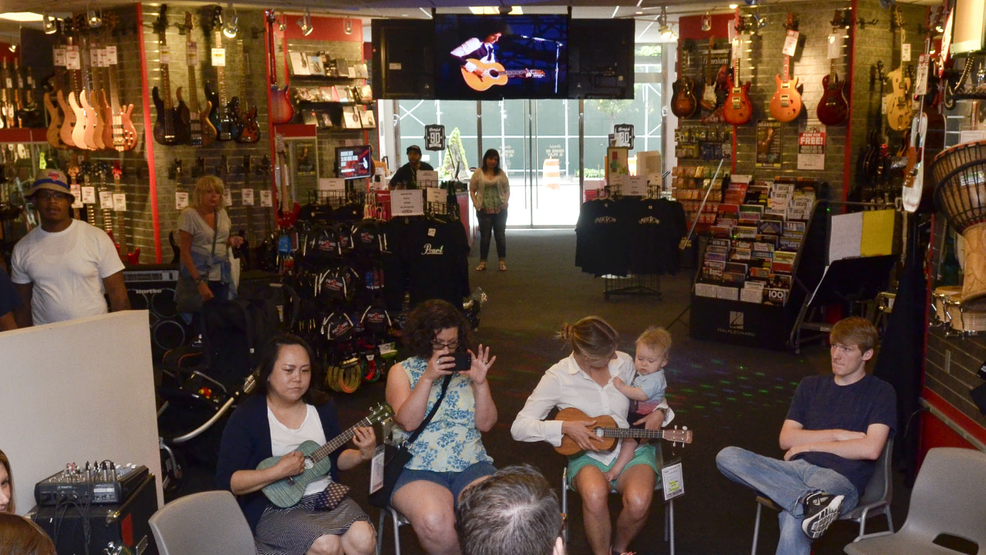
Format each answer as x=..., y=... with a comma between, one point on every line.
x=448, y=456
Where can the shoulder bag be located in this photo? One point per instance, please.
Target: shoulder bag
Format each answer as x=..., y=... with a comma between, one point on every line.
x=187, y=296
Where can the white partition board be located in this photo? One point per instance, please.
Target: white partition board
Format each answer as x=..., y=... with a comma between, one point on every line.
x=76, y=391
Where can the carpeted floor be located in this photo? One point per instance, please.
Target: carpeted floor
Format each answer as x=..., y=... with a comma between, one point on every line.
x=727, y=395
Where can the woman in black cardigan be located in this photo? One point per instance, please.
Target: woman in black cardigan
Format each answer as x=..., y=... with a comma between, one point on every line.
x=283, y=412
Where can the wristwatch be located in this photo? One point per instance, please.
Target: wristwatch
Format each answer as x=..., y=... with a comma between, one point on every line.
x=200, y=281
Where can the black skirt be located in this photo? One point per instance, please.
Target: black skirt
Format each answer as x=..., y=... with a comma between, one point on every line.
x=293, y=530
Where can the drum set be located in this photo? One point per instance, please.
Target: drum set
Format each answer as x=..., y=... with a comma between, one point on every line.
x=960, y=172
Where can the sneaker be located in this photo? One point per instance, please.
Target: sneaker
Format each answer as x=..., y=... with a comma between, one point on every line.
x=821, y=510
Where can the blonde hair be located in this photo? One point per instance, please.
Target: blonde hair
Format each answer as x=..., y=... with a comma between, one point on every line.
x=591, y=337
x=855, y=331
x=206, y=184
x=656, y=338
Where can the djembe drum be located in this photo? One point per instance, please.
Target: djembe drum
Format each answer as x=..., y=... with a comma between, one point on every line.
x=960, y=174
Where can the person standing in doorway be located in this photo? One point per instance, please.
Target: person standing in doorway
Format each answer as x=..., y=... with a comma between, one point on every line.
x=490, y=192
x=406, y=177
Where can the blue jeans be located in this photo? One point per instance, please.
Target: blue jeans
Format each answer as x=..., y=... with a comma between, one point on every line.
x=497, y=224
x=786, y=482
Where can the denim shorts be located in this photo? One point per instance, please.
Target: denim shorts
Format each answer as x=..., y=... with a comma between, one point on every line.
x=455, y=482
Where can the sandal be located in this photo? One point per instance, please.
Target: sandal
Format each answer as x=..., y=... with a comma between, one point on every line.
x=481, y=267
x=503, y=266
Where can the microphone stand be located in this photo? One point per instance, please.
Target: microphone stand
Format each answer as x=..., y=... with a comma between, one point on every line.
x=558, y=45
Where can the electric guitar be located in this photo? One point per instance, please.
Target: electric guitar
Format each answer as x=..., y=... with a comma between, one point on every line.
x=91, y=119
x=132, y=257
x=172, y=125
x=54, y=116
x=7, y=108
x=607, y=430
x=899, y=110
x=495, y=74
x=737, y=109
x=122, y=130
x=224, y=114
x=683, y=101
x=97, y=95
x=65, y=93
x=31, y=113
x=872, y=161
x=281, y=110
x=78, y=103
x=286, y=492
x=249, y=128
x=785, y=105
x=833, y=109
x=708, y=101
x=201, y=131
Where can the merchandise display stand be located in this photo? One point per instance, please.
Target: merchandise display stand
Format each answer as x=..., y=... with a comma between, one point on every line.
x=634, y=284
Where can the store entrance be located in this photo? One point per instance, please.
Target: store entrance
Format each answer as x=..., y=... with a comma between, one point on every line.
x=538, y=141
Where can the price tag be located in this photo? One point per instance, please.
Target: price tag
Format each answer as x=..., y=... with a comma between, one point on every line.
x=408, y=202
x=101, y=58
x=58, y=54
x=76, y=191
x=635, y=186
x=88, y=194
x=72, y=59
x=165, y=54
x=192, y=54
x=106, y=200
x=905, y=52
x=376, y=469
x=427, y=178
x=790, y=43
x=219, y=57
x=434, y=194
x=921, y=78
x=111, y=55
x=181, y=200
x=247, y=196
x=331, y=184
x=265, y=199
x=10, y=83
x=673, y=480
x=227, y=197
x=618, y=180
x=835, y=47
x=119, y=202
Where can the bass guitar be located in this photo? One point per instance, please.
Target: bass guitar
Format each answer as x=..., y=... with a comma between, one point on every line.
x=495, y=74
x=288, y=491
x=683, y=101
x=200, y=129
x=281, y=110
x=899, y=110
x=608, y=432
x=785, y=105
x=64, y=93
x=833, y=109
x=172, y=125
x=249, y=128
x=54, y=116
x=122, y=130
x=737, y=109
x=131, y=257
x=224, y=115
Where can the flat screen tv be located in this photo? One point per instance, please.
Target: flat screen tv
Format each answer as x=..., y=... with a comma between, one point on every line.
x=483, y=57
x=968, y=27
x=354, y=162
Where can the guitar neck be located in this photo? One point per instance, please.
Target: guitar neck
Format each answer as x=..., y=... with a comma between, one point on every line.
x=193, y=97
x=339, y=441
x=114, y=91
x=787, y=67
x=221, y=73
x=634, y=433
x=166, y=78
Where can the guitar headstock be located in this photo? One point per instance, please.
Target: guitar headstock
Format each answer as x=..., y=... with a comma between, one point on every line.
x=161, y=25
x=117, y=171
x=897, y=18
x=279, y=145
x=101, y=168
x=246, y=165
x=188, y=24
x=85, y=169
x=265, y=166
x=222, y=170
x=270, y=17
x=791, y=24
x=217, y=18
x=380, y=413
x=682, y=436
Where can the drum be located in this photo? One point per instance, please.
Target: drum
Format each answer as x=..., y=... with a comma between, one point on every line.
x=960, y=173
x=961, y=318
x=939, y=301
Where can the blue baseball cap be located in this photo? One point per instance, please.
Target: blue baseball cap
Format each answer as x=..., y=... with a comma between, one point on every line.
x=53, y=180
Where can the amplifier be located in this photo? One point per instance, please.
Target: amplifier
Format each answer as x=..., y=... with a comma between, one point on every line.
x=105, y=483
x=152, y=287
x=116, y=529
x=145, y=273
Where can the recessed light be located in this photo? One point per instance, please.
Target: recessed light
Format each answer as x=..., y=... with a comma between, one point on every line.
x=733, y=6
x=23, y=17
x=404, y=15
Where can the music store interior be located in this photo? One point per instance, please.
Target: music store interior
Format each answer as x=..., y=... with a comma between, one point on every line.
x=744, y=175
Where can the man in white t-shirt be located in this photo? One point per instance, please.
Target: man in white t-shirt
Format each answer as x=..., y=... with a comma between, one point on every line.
x=62, y=268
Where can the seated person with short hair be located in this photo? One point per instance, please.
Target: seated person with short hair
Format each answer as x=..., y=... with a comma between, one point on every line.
x=20, y=536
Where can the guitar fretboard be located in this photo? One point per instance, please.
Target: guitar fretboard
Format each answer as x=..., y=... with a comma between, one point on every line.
x=339, y=441
x=635, y=433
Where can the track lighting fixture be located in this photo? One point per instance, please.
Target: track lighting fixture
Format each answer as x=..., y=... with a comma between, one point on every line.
x=306, y=23
x=282, y=21
x=231, y=24
x=752, y=2
x=94, y=18
x=759, y=21
x=664, y=28
x=48, y=23
x=707, y=21
x=12, y=47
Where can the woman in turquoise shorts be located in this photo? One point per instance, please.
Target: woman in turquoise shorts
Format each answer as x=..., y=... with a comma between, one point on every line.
x=584, y=380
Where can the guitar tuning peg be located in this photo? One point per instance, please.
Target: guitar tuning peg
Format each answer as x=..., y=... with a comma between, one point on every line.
x=683, y=428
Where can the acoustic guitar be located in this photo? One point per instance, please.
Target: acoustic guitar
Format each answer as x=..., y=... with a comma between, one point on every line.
x=785, y=105
x=495, y=74
x=607, y=430
x=737, y=109
x=281, y=110
x=899, y=110
x=288, y=491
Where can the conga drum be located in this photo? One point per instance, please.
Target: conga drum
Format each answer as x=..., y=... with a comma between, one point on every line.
x=960, y=174
x=940, y=298
x=961, y=319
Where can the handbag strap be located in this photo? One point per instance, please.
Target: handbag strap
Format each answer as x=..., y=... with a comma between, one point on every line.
x=215, y=231
x=427, y=420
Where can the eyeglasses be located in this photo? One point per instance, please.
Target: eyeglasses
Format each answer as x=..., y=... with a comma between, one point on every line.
x=439, y=345
x=51, y=195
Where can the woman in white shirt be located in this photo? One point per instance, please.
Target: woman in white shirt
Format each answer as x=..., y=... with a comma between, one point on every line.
x=584, y=380
x=203, y=238
x=490, y=192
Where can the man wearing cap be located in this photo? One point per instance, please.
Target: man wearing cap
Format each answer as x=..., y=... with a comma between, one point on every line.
x=62, y=268
x=407, y=175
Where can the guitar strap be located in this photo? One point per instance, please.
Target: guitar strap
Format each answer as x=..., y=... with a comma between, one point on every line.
x=427, y=420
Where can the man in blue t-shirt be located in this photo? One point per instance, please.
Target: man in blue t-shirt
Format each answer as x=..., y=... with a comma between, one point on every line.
x=834, y=432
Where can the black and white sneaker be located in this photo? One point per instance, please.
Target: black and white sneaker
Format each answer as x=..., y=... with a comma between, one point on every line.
x=821, y=510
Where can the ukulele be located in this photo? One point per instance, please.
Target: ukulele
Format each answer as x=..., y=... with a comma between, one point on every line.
x=833, y=109
x=785, y=105
x=171, y=127
x=495, y=74
x=286, y=492
x=708, y=101
x=122, y=130
x=737, y=109
x=201, y=131
x=899, y=110
x=607, y=430
x=249, y=128
x=683, y=101
x=281, y=110
x=223, y=115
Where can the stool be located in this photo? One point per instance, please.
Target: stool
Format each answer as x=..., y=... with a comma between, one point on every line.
x=398, y=520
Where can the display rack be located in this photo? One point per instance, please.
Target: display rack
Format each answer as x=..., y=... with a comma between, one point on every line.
x=633, y=284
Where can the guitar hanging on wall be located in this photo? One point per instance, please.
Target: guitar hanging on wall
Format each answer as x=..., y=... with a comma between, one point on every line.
x=683, y=101
x=249, y=128
x=281, y=110
x=224, y=116
x=898, y=104
x=833, y=108
x=786, y=104
x=201, y=131
x=65, y=93
x=708, y=101
x=124, y=134
x=737, y=109
x=171, y=127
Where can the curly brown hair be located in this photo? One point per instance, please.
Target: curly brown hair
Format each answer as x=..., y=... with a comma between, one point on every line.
x=428, y=319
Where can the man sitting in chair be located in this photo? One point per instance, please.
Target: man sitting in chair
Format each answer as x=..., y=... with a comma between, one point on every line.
x=835, y=431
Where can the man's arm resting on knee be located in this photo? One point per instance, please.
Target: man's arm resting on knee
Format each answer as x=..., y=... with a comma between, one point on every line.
x=116, y=290
x=868, y=447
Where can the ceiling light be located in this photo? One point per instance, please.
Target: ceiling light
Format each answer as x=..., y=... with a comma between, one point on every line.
x=495, y=10
x=282, y=22
x=231, y=26
x=426, y=12
x=94, y=18
x=22, y=17
x=733, y=6
x=49, y=24
x=306, y=23
x=12, y=47
x=707, y=21
x=640, y=13
x=752, y=2
x=665, y=29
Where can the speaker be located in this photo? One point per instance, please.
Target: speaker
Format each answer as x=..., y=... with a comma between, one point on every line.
x=151, y=287
x=125, y=524
x=403, y=59
x=600, y=68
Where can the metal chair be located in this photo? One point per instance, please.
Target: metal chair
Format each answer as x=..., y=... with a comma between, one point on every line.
x=397, y=520
x=875, y=498
x=206, y=522
x=947, y=499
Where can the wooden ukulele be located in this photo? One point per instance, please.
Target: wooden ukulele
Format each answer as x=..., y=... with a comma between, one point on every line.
x=495, y=74
x=249, y=128
x=737, y=109
x=899, y=110
x=683, y=101
x=607, y=430
x=785, y=105
x=201, y=131
x=171, y=127
x=123, y=134
x=281, y=110
x=708, y=101
x=288, y=491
